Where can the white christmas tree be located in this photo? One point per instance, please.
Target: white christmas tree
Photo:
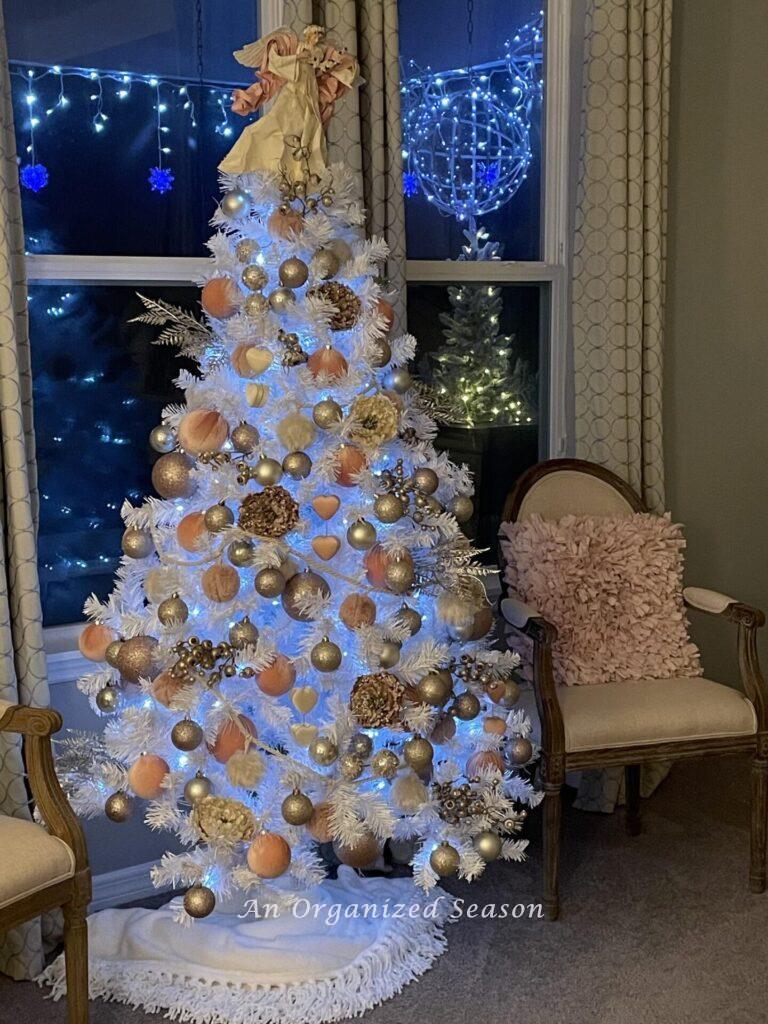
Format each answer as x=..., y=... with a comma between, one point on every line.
x=297, y=649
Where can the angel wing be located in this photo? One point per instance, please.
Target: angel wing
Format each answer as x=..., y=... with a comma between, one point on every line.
x=254, y=55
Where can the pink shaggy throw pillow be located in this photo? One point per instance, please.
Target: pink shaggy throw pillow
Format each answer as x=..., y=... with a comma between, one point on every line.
x=613, y=587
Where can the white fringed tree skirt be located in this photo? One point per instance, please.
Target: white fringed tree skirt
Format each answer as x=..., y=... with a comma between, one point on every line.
x=352, y=944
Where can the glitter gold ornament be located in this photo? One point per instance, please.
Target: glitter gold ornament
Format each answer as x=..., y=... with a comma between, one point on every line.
x=267, y=472
x=186, y=735
x=243, y=633
x=222, y=819
x=162, y=438
x=465, y=706
x=418, y=753
x=361, y=744
x=385, y=763
x=297, y=465
x=137, y=543
x=327, y=414
x=359, y=854
x=520, y=750
x=488, y=845
x=347, y=305
x=297, y=808
x=293, y=272
x=376, y=700
x=246, y=768
x=281, y=299
x=357, y=610
x=327, y=362
x=323, y=751
x=255, y=305
x=372, y=420
x=218, y=517
x=93, y=641
x=171, y=476
x=399, y=575
x=245, y=438
x=348, y=463
x=269, y=583
x=268, y=513
x=462, y=508
x=277, y=678
x=199, y=901
x=107, y=699
x=434, y=689
x=296, y=431
x=146, y=775
x=112, y=652
x=325, y=656
x=444, y=860
x=240, y=553
x=361, y=535
x=245, y=249
x=409, y=618
x=301, y=587
x=254, y=277
x=118, y=807
x=351, y=766
x=138, y=658
x=388, y=508
x=202, y=430
x=198, y=787
x=220, y=298
x=425, y=480
x=325, y=264
x=220, y=583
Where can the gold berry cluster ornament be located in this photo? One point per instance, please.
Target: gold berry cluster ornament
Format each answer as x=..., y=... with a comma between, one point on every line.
x=454, y=803
x=308, y=191
x=417, y=489
x=376, y=700
x=268, y=513
x=293, y=354
x=347, y=305
x=372, y=421
x=203, y=661
x=221, y=819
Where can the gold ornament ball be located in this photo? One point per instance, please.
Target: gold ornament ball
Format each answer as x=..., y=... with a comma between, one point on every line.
x=488, y=845
x=444, y=860
x=327, y=414
x=389, y=655
x=520, y=750
x=351, y=766
x=361, y=535
x=186, y=735
x=385, y=763
x=240, y=553
x=399, y=380
x=409, y=618
x=218, y=518
x=462, y=508
x=293, y=272
x=119, y=806
x=399, y=575
x=198, y=788
x=361, y=744
x=243, y=633
x=297, y=465
x=300, y=587
x=388, y=508
x=162, y=439
x=199, y=901
x=112, y=653
x=137, y=658
x=325, y=264
x=323, y=751
x=245, y=249
x=137, y=543
x=466, y=706
x=254, y=277
x=269, y=583
x=426, y=480
x=434, y=689
x=255, y=305
x=297, y=808
x=171, y=476
x=360, y=854
x=418, y=753
x=267, y=472
x=235, y=203
x=172, y=610
x=245, y=438
x=107, y=699
x=382, y=353
x=325, y=656
x=281, y=300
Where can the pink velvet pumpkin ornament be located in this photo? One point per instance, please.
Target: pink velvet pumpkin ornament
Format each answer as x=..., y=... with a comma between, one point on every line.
x=146, y=774
x=94, y=640
x=269, y=856
x=203, y=430
x=277, y=678
x=232, y=737
x=190, y=531
x=284, y=224
x=329, y=361
x=220, y=298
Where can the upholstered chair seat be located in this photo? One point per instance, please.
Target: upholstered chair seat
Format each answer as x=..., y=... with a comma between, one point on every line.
x=31, y=859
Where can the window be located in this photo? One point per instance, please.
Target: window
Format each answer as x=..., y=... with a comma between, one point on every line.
x=122, y=116
x=484, y=94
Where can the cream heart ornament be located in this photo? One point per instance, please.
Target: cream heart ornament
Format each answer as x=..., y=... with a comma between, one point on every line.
x=256, y=394
x=326, y=547
x=259, y=359
x=326, y=505
x=303, y=733
x=304, y=698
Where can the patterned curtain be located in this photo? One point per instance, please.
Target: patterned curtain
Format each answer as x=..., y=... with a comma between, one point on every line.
x=22, y=659
x=365, y=131
x=620, y=241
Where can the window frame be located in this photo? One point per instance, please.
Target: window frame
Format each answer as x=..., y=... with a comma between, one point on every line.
x=64, y=661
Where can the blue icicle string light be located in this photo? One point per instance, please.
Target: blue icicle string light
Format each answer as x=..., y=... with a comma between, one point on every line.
x=466, y=131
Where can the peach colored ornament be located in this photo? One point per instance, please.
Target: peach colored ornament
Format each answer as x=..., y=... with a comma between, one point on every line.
x=189, y=531
x=277, y=678
x=495, y=726
x=220, y=583
x=220, y=297
x=326, y=505
x=231, y=737
x=165, y=688
x=94, y=640
x=240, y=364
x=328, y=361
x=349, y=461
x=319, y=826
x=482, y=624
x=496, y=690
x=326, y=547
x=444, y=728
x=376, y=561
x=385, y=309
x=360, y=854
x=146, y=774
x=357, y=610
x=202, y=430
x=269, y=856
x=484, y=759
x=283, y=225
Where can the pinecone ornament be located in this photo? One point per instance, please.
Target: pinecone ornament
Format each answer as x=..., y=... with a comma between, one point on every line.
x=348, y=306
x=268, y=513
x=376, y=700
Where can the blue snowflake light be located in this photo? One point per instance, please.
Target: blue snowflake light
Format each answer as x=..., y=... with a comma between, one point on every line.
x=160, y=179
x=410, y=184
x=34, y=176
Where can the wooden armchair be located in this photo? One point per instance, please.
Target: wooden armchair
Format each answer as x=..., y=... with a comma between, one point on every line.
x=632, y=722
x=44, y=869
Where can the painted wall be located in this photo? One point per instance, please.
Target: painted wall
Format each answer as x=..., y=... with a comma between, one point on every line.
x=716, y=362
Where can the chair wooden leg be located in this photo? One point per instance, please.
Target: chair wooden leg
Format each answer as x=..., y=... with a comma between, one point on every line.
x=76, y=962
x=552, y=825
x=632, y=789
x=759, y=825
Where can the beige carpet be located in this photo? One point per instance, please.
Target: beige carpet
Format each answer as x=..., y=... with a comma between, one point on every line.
x=660, y=929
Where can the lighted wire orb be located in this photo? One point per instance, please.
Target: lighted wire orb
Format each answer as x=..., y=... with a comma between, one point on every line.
x=468, y=148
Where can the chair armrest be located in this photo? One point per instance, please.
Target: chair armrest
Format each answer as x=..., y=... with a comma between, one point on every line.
x=714, y=603
x=29, y=721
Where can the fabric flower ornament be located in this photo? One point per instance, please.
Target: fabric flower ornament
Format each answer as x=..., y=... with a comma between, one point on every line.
x=372, y=421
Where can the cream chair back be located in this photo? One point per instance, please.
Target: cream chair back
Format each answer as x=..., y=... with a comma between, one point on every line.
x=570, y=492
